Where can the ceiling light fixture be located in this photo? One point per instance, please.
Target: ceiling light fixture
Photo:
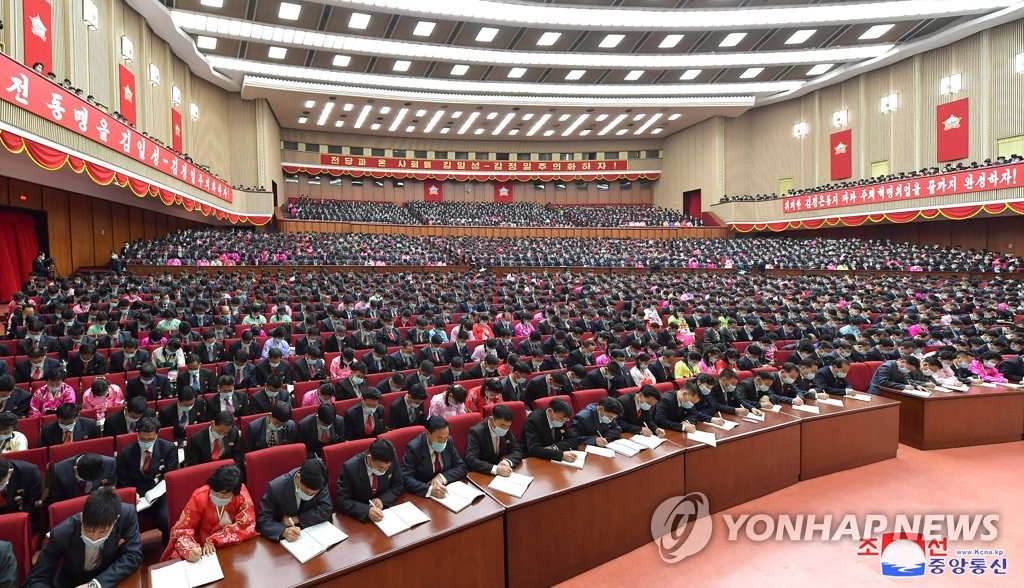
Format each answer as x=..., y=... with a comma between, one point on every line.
x=670, y=41
x=516, y=72
x=875, y=32
x=751, y=73
x=469, y=122
x=424, y=28
x=650, y=123
x=365, y=112
x=800, y=36
x=289, y=11
x=732, y=39
x=309, y=104
x=575, y=74
x=504, y=123
x=341, y=61
x=401, y=65
x=575, y=124
x=820, y=69
x=459, y=70
x=207, y=43
x=325, y=113
x=486, y=34
x=398, y=119
x=303, y=120
x=615, y=122
x=690, y=74
x=433, y=121
x=358, y=20
x=634, y=75
x=548, y=39
x=539, y=124
x=611, y=41
x=277, y=52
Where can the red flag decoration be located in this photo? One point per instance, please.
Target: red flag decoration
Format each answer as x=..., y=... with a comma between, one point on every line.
x=38, y=40
x=503, y=192
x=176, y=130
x=953, y=140
x=841, y=154
x=433, y=191
x=126, y=85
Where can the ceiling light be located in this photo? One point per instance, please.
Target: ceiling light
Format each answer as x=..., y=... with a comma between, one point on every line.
x=459, y=70
x=840, y=117
x=302, y=120
x=348, y=107
x=212, y=3
x=385, y=109
x=611, y=41
x=575, y=74
x=820, y=69
x=548, y=39
x=478, y=132
x=469, y=122
x=421, y=112
x=208, y=43
x=875, y=32
x=639, y=116
x=456, y=114
x=800, y=130
x=424, y=28
x=516, y=72
x=564, y=117
x=410, y=128
x=621, y=132
x=732, y=39
x=398, y=119
x=670, y=41
x=953, y=84
x=325, y=113
x=504, y=122
x=513, y=132
x=890, y=102
x=309, y=104
x=800, y=36
x=575, y=125
x=338, y=124
x=433, y=121
x=601, y=117
x=584, y=132
x=444, y=130
x=650, y=123
x=549, y=132
x=657, y=131
x=365, y=112
x=358, y=20
x=634, y=75
x=289, y=11
x=527, y=116
x=341, y=61
x=401, y=65
x=375, y=127
x=615, y=122
x=751, y=72
x=675, y=116
x=538, y=125
x=486, y=34
x=492, y=115
x=277, y=52
x=690, y=74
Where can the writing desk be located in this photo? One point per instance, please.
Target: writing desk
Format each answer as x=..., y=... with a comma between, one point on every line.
x=979, y=416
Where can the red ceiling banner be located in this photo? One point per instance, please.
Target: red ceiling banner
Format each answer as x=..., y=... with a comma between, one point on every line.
x=841, y=154
x=37, y=33
x=433, y=191
x=24, y=88
x=126, y=90
x=953, y=137
x=176, y=131
x=998, y=177
x=503, y=192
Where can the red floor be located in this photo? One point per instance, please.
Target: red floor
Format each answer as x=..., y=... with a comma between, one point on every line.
x=982, y=479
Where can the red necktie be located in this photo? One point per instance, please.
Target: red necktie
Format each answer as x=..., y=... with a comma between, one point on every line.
x=324, y=439
x=127, y=365
x=437, y=463
x=373, y=484
x=369, y=424
x=147, y=459
x=215, y=453
x=37, y=372
x=639, y=415
x=238, y=376
x=67, y=437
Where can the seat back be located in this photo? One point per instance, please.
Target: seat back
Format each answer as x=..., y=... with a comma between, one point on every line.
x=336, y=455
x=101, y=445
x=38, y=457
x=460, y=425
x=582, y=398
x=266, y=464
x=15, y=528
x=401, y=437
x=386, y=400
x=122, y=441
x=61, y=511
x=244, y=425
x=542, y=403
x=181, y=483
x=518, y=415
x=859, y=376
x=29, y=427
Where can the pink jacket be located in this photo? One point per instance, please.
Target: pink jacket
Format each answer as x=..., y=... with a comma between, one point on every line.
x=987, y=374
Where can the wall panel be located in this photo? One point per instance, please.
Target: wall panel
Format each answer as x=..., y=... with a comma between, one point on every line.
x=102, y=231
x=83, y=252
x=58, y=226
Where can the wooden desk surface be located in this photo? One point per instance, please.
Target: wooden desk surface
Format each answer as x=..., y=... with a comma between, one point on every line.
x=849, y=405
x=973, y=391
x=978, y=416
x=260, y=562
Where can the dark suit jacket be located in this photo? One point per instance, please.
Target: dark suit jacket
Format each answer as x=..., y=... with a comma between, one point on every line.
x=304, y=344
x=304, y=372
x=670, y=416
x=207, y=381
x=448, y=377
x=828, y=382
x=414, y=379
x=199, y=447
x=23, y=490
x=117, y=423
x=239, y=401
x=169, y=417
x=64, y=485
x=205, y=356
x=18, y=402
x=887, y=375
x=577, y=358
x=62, y=561
x=543, y=441
x=23, y=369
x=536, y=388
x=129, y=466
x=279, y=501
x=418, y=470
x=253, y=350
x=629, y=421
x=159, y=388
x=595, y=380
x=261, y=402
x=1012, y=369
x=586, y=425
x=439, y=357
x=76, y=367
x=454, y=350
x=47, y=342
x=284, y=369
x=354, y=490
x=117, y=361
x=256, y=437
x=249, y=377
x=51, y=433
x=511, y=391
x=400, y=414
x=395, y=361
x=480, y=456
x=355, y=422
x=309, y=435
x=344, y=389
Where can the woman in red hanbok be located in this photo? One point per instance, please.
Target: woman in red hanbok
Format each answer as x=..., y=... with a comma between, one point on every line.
x=220, y=513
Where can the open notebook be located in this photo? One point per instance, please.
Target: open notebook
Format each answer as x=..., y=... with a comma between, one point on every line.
x=187, y=575
x=460, y=495
x=147, y=500
x=401, y=517
x=515, y=484
x=314, y=540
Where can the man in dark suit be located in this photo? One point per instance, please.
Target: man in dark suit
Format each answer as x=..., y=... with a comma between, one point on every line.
x=460, y=348
x=274, y=429
x=34, y=367
x=325, y=427
x=760, y=389
x=584, y=355
x=638, y=412
x=491, y=448
x=309, y=342
x=546, y=433
x=247, y=346
x=404, y=358
x=75, y=339
x=271, y=395
x=274, y=364
x=488, y=368
x=12, y=398
x=831, y=379
x=68, y=428
x=396, y=383
x=1012, y=369
x=365, y=418
x=894, y=374
x=148, y=384
x=431, y=461
x=310, y=367
x=242, y=373
x=339, y=341
x=410, y=409
x=36, y=338
x=513, y=386
x=227, y=398
x=86, y=362
x=434, y=353
x=126, y=420
x=129, y=359
x=663, y=367
x=551, y=384
x=210, y=350
x=601, y=378
x=598, y=423
x=221, y=440
x=294, y=501
x=80, y=475
x=201, y=380
x=142, y=466
x=377, y=360
x=370, y=482
x=98, y=548
x=454, y=373
x=188, y=410
x=423, y=377
x=22, y=487
x=355, y=385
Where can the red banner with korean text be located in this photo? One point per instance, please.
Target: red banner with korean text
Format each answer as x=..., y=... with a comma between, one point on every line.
x=433, y=191
x=997, y=177
x=126, y=90
x=22, y=87
x=177, y=131
x=841, y=154
x=502, y=192
x=37, y=33
x=953, y=138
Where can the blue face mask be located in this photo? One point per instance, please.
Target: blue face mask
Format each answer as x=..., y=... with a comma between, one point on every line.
x=357, y=381
x=95, y=544
x=437, y=446
x=500, y=431
x=644, y=406
x=147, y=445
x=686, y=404
x=705, y=390
x=604, y=420
x=67, y=428
x=219, y=502
x=555, y=424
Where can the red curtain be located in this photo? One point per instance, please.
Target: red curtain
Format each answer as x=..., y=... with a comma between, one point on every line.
x=18, y=247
